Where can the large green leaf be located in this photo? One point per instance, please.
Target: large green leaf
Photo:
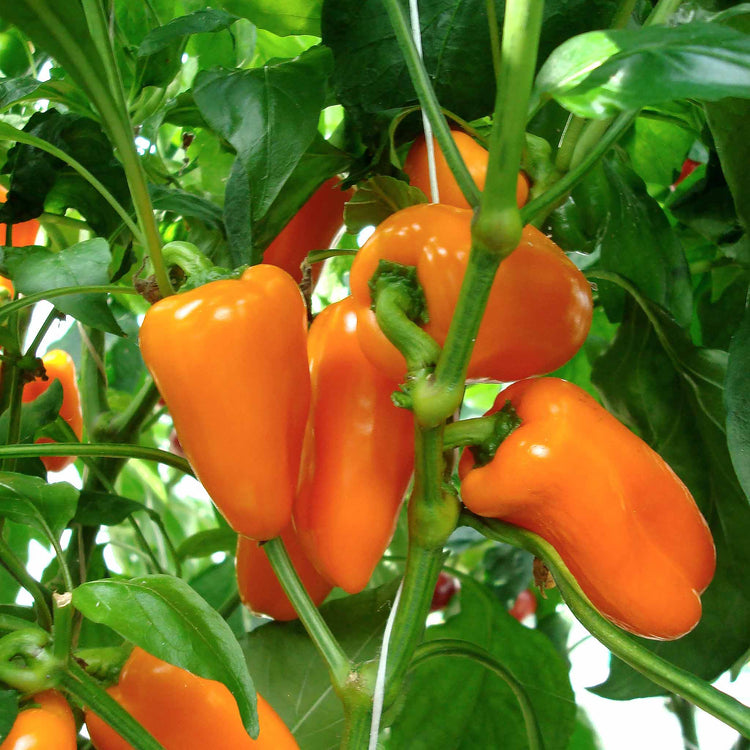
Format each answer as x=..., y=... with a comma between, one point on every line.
x=167, y=618
x=371, y=76
x=37, y=269
x=282, y=17
x=658, y=383
x=737, y=397
x=603, y=72
x=464, y=720
x=290, y=674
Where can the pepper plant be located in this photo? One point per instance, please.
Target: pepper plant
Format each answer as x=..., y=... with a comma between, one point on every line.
x=261, y=484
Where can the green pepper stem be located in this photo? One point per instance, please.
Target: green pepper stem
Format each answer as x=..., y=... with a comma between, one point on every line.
x=78, y=683
x=337, y=661
x=468, y=650
x=658, y=670
x=63, y=625
x=18, y=571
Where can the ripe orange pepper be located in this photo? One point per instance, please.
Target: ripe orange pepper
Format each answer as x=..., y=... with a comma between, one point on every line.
x=260, y=590
x=229, y=359
x=539, y=309
x=358, y=455
x=313, y=227
x=622, y=521
x=59, y=365
x=183, y=711
x=475, y=157
x=24, y=233
x=7, y=285
x=51, y=725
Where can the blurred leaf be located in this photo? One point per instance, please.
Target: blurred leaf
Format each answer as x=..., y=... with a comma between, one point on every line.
x=30, y=500
x=37, y=269
x=584, y=736
x=507, y=572
x=464, y=720
x=290, y=674
x=737, y=398
x=671, y=393
x=15, y=89
x=376, y=199
x=187, y=205
x=201, y=21
x=8, y=711
x=206, y=543
x=167, y=618
x=603, y=72
x=282, y=17
x=104, y=509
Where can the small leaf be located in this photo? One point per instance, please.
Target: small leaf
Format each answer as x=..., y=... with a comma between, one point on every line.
x=37, y=269
x=376, y=199
x=167, y=618
x=206, y=543
x=603, y=72
x=198, y=22
x=104, y=509
x=30, y=500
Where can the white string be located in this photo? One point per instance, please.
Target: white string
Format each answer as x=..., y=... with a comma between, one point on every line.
x=417, y=36
x=379, y=694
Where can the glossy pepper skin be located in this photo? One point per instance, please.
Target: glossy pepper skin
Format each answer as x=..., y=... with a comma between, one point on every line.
x=50, y=725
x=623, y=522
x=475, y=157
x=230, y=361
x=358, y=455
x=538, y=313
x=260, y=590
x=184, y=712
x=59, y=365
x=313, y=227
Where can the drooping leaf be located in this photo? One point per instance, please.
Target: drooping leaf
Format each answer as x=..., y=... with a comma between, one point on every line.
x=187, y=205
x=282, y=17
x=37, y=269
x=167, y=618
x=464, y=720
x=102, y=508
x=603, y=72
x=658, y=383
x=31, y=501
x=199, y=22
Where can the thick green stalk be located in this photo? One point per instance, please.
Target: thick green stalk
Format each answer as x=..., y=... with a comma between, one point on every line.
x=76, y=682
x=468, y=650
x=338, y=663
x=421, y=82
x=658, y=670
x=63, y=626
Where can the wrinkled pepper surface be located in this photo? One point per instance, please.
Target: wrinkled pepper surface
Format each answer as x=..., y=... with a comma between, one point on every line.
x=260, y=590
x=622, y=521
x=230, y=361
x=358, y=455
x=539, y=309
x=183, y=711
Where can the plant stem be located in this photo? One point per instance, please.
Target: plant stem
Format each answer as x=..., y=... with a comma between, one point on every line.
x=18, y=571
x=592, y=133
x=357, y=729
x=624, y=13
x=327, y=645
x=663, y=10
x=41, y=333
x=429, y=102
x=76, y=682
x=101, y=450
x=573, y=129
x=63, y=626
x=469, y=650
x=494, y=28
x=685, y=713
x=15, y=399
x=658, y=670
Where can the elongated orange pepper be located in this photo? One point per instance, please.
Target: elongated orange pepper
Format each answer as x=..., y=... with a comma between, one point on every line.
x=475, y=157
x=230, y=361
x=43, y=727
x=623, y=522
x=59, y=365
x=358, y=455
x=260, y=590
x=184, y=712
x=539, y=309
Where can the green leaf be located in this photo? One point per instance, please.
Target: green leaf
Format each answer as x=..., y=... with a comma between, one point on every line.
x=464, y=720
x=603, y=72
x=187, y=205
x=370, y=74
x=290, y=674
x=282, y=17
x=167, y=618
x=206, y=543
x=37, y=269
x=31, y=501
x=16, y=89
x=37, y=414
x=8, y=711
x=737, y=398
x=201, y=21
x=376, y=199
x=269, y=115
x=671, y=393
x=104, y=509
